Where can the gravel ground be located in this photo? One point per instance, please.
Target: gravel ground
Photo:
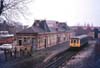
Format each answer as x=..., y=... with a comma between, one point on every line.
x=87, y=58
x=37, y=57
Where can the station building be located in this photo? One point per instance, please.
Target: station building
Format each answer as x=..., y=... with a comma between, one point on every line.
x=43, y=34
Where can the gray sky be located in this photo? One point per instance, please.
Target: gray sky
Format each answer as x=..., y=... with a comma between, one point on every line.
x=73, y=12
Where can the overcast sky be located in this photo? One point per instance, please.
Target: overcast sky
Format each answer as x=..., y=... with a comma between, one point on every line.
x=73, y=12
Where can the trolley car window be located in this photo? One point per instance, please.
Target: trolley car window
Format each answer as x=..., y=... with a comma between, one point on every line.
x=77, y=41
x=74, y=41
x=71, y=40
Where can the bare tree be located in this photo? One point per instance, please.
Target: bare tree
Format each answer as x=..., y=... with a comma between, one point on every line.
x=13, y=8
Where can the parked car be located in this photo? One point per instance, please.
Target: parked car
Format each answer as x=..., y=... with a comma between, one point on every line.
x=6, y=46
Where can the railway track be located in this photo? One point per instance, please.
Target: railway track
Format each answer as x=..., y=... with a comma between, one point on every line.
x=61, y=58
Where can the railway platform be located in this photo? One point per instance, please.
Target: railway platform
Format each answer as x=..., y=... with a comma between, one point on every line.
x=31, y=62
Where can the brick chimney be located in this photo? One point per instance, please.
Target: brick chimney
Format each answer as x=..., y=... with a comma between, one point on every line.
x=36, y=23
x=57, y=26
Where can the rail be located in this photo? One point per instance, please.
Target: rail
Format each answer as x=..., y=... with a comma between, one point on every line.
x=61, y=58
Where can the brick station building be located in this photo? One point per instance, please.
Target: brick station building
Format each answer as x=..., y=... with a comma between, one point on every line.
x=43, y=34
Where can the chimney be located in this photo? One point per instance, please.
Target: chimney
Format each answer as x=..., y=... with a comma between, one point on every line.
x=57, y=25
x=44, y=25
x=36, y=23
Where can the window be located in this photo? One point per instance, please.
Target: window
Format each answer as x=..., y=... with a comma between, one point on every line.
x=71, y=40
x=77, y=41
x=74, y=41
x=20, y=42
x=24, y=39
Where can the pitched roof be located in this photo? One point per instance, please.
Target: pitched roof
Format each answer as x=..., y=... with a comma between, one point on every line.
x=40, y=26
x=46, y=25
x=63, y=26
x=32, y=30
x=52, y=25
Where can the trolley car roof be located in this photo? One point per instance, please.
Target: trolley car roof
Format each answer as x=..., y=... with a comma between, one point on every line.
x=80, y=36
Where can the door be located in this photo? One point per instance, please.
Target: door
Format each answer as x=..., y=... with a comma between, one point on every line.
x=33, y=43
x=20, y=42
x=45, y=43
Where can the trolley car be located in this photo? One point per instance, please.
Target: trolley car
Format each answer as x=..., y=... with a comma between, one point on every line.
x=78, y=41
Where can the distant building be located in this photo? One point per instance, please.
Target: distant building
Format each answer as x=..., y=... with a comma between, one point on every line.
x=82, y=29
x=11, y=26
x=96, y=33
x=6, y=38
x=4, y=26
x=43, y=34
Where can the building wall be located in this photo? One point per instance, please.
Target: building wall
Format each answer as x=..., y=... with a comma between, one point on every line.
x=98, y=35
x=91, y=35
x=54, y=39
x=43, y=40
x=25, y=40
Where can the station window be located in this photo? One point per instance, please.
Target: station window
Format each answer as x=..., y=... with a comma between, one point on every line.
x=24, y=39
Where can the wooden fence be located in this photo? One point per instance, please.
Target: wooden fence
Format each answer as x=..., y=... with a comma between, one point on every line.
x=18, y=51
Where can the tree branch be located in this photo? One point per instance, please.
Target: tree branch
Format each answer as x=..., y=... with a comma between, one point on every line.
x=12, y=4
